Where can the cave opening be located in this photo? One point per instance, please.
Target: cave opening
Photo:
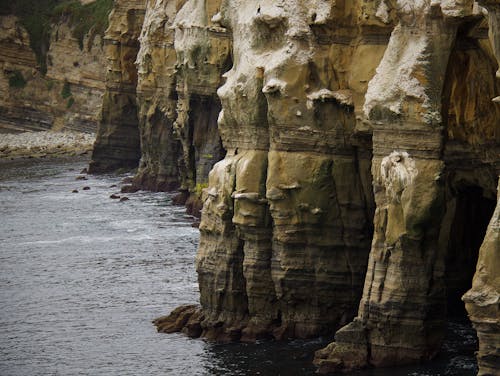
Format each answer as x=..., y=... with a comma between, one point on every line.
x=472, y=214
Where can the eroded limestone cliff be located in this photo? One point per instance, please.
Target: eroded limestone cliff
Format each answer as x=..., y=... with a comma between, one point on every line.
x=286, y=225
x=168, y=107
x=435, y=166
x=180, y=62
x=118, y=142
x=363, y=154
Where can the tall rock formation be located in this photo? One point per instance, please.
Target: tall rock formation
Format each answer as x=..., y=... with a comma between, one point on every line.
x=180, y=62
x=203, y=55
x=483, y=299
x=118, y=142
x=286, y=225
x=165, y=107
x=363, y=153
x=156, y=97
x=436, y=159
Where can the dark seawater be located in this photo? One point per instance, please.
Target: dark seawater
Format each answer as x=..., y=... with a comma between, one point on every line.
x=82, y=276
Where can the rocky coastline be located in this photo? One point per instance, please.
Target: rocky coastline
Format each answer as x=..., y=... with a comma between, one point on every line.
x=45, y=144
x=344, y=158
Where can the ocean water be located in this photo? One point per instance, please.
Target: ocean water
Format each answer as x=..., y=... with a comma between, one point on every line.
x=83, y=275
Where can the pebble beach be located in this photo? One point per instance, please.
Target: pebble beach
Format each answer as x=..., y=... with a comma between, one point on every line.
x=45, y=144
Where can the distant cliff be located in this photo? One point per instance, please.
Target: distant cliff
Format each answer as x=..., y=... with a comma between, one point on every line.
x=52, y=69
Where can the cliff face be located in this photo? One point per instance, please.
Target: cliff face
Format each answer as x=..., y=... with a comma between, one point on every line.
x=156, y=97
x=118, y=143
x=286, y=224
x=282, y=235
x=68, y=97
x=180, y=63
x=362, y=160
x=436, y=159
x=482, y=300
x=203, y=55
x=164, y=108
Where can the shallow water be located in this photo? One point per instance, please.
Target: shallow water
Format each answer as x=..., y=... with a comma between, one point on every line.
x=82, y=275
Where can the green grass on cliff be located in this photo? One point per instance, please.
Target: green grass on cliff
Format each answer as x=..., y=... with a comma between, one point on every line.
x=66, y=90
x=38, y=16
x=84, y=19
x=35, y=16
x=16, y=80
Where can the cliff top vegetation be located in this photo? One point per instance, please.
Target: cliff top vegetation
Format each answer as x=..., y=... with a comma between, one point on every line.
x=38, y=16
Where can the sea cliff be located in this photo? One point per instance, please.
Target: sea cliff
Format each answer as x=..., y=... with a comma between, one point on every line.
x=345, y=156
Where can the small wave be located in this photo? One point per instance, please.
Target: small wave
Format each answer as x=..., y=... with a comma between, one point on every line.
x=87, y=240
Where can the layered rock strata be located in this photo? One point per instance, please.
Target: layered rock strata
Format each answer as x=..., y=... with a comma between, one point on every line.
x=286, y=224
x=436, y=159
x=118, y=142
x=203, y=55
x=156, y=98
x=483, y=299
x=180, y=63
x=362, y=160
x=68, y=97
x=170, y=119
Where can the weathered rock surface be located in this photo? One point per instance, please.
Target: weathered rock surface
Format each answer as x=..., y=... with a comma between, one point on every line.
x=434, y=191
x=180, y=63
x=203, y=55
x=286, y=224
x=327, y=104
x=118, y=142
x=68, y=97
x=164, y=108
x=483, y=300
x=363, y=153
x=156, y=97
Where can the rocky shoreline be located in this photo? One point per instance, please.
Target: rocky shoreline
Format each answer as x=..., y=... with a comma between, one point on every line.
x=45, y=144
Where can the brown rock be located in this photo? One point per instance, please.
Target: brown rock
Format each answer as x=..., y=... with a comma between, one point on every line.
x=35, y=103
x=363, y=152
x=483, y=299
x=117, y=144
x=129, y=189
x=431, y=203
x=178, y=319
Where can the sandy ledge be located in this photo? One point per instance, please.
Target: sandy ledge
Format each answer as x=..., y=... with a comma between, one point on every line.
x=45, y=144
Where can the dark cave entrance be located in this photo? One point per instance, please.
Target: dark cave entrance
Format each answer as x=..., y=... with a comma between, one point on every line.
x=472, y=214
